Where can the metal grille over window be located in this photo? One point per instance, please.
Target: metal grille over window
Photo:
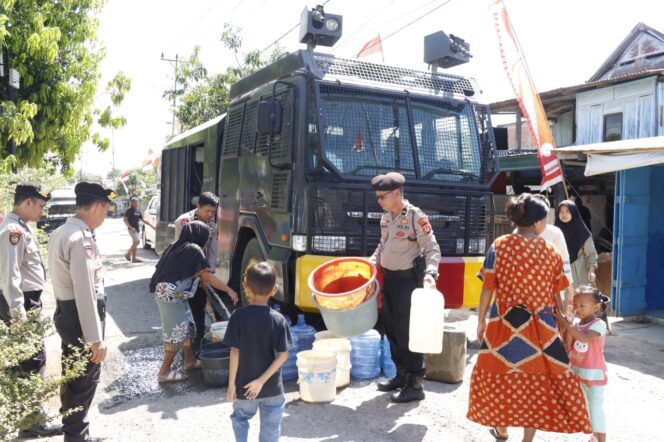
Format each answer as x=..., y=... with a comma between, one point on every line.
x=399, y=78
x=233, y=130
x=447, y=143
x=249, y=127
x=280, y=190
x=366, y=134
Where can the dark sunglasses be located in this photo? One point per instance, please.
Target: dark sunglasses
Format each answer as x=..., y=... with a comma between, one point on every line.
x=383, y=196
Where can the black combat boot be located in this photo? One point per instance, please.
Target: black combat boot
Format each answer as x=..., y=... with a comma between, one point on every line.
x=399, y=381
x=413, y=390
x=39, y=430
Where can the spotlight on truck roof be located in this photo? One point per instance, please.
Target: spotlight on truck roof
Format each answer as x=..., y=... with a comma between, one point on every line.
x=319, y=28
x=441, y=50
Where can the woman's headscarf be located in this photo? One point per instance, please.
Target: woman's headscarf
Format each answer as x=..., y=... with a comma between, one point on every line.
x=575, y=231
x=184, y=258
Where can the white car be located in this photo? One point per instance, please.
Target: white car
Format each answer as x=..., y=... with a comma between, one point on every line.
x=149, y=236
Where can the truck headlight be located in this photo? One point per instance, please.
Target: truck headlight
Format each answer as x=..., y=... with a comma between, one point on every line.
x=299, y=243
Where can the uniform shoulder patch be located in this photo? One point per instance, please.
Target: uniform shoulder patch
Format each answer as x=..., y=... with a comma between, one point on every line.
x=424, y=224
x=14, y=236
x=184, y=222
x=89, y=251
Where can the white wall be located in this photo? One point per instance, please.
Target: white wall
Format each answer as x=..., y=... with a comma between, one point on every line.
x=635, y=99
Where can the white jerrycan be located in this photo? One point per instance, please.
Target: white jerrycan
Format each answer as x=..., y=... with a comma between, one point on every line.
x=427, y=321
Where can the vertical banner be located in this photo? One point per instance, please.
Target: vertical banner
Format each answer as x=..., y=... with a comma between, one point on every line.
x=524, y=90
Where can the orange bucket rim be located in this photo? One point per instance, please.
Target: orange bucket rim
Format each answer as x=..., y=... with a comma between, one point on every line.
x=335, y=261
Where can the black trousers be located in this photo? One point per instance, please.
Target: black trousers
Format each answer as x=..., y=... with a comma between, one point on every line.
x=31, y=302
x=197, y=305
x=398, y=287
x=80, y=391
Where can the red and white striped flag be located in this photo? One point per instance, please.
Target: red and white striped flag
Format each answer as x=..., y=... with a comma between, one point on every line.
x=526, y=94
x=124, y=178
x=373, y=46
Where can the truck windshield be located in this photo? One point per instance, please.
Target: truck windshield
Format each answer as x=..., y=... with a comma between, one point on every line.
x=370, y=133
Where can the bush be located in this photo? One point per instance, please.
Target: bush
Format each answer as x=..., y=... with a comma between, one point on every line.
x=21, y=395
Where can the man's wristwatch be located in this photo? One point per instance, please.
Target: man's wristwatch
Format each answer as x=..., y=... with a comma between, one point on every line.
x=433, y=274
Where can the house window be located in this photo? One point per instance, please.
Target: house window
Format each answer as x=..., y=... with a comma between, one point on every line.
x=613, y=127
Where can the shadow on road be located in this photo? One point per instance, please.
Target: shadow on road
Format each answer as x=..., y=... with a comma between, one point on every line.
x=330, y=421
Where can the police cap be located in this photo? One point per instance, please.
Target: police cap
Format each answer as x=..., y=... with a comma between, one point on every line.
x=88, y=193
x=32, y=191
x=389, y=181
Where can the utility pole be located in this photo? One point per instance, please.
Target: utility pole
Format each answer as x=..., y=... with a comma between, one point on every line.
x=174, y=63
x=12, y=84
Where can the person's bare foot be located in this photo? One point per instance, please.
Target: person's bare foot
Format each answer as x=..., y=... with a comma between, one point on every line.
x=136, y=260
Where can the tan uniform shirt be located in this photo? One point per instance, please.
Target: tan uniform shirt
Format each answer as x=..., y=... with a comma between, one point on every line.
x=21, y=268
x=77, y=273
x=403, y=238
x=210, y=248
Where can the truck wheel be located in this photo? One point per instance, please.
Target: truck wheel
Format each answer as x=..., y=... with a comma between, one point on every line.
x=251, y=251
x=146, y=246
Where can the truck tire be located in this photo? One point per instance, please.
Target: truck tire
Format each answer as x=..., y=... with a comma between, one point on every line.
x=251, y=251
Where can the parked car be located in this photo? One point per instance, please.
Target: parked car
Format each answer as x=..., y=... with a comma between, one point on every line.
x=151, y=214
x=61, y=206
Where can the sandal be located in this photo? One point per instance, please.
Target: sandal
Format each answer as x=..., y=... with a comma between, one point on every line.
x=495, y=432
x=173, y=376
x=195, y=366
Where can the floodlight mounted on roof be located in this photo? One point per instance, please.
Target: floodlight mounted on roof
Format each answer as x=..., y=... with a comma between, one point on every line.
x=319, y=28
x=441, y=50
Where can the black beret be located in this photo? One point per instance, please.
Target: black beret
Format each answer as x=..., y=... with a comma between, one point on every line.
x=33, y=191
x=87, y=193
x=389, y=181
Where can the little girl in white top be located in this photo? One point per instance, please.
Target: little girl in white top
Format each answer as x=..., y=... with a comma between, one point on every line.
x=585, y=340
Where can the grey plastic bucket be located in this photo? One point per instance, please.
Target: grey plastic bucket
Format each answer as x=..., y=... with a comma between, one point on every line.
x=352, y=322
x=215, y=359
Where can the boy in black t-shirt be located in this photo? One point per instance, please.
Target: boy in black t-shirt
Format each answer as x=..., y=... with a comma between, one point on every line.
x=132, y=219
x=259, y=339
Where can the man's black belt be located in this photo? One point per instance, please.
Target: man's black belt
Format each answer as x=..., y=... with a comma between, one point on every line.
x=398, y=274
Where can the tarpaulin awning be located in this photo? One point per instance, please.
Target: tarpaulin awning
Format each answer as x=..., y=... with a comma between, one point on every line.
x=619, y=155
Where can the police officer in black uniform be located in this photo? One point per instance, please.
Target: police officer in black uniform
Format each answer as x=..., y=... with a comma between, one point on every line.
x=406, y=238
x=77, y=275
x=22, y=278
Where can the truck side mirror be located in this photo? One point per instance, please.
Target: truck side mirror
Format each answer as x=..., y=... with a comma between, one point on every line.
x=268, y=121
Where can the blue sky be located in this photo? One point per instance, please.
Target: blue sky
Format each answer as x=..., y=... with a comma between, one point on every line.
x=564, y=41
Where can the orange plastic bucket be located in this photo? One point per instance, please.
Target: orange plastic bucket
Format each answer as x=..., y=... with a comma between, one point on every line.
x=343, y=283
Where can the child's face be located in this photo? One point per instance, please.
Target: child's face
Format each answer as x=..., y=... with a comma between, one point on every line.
x=585, y=305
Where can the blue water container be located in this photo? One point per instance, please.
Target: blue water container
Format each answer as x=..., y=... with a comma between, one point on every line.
x=289, y=369
x=386, y=362
x=304, y=332
x=277, y=307
x=365, y=355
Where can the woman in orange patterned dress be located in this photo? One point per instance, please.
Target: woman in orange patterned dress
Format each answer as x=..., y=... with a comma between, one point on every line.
x=523, y=377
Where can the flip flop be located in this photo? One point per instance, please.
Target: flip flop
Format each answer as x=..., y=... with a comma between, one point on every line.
x=196, y=365
x=127, y=257
x=173, y=376
x=498, y=435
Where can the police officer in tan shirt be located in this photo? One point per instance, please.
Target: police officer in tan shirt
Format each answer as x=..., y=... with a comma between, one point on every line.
x=22, y=278
x=77, y=275
x=406, y=235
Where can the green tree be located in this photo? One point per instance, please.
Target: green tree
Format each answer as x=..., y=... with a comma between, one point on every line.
x=53, y=45
x=202, y=96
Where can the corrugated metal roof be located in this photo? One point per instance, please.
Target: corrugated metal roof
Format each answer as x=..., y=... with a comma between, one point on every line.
x=651, y=144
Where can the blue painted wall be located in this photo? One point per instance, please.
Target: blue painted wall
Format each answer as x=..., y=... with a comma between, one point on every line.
x=655, y=260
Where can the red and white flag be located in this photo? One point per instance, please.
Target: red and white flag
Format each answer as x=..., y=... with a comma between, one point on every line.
x=526, y=94
x=150, y=161
x=373, y=46
x=123, y=179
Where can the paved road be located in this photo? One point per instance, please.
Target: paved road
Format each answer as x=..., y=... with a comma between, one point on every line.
x=130, y=403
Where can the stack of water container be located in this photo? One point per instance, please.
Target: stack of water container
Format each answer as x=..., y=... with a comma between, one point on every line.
x=365, y=355
x=303, y=338
x=305, y=333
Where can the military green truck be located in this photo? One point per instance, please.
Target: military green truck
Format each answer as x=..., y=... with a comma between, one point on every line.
x=292, y=161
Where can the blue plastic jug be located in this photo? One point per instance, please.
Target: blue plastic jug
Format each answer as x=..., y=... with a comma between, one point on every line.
x=365, y=355
x=289, y=369
x=304, y=332
x=389, y=369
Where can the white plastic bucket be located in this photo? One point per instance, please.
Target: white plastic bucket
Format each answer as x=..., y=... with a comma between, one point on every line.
x=341, y=347
x=325, y=334
x=317, y=375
